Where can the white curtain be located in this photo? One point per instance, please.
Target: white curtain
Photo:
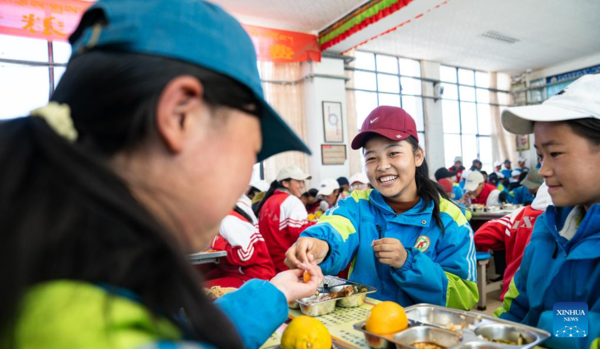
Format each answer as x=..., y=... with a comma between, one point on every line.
x=288, y=101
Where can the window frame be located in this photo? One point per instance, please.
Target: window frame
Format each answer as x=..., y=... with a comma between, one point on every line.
x=459, y=101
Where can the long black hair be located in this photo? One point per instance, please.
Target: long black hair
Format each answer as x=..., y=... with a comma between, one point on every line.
x=427, y=189
x=64, y=214
x=274, y=186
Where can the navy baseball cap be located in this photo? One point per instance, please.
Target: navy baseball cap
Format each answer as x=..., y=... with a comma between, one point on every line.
x=193, y=31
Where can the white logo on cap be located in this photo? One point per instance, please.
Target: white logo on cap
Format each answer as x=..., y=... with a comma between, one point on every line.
x=399, y=136
x=372, y=121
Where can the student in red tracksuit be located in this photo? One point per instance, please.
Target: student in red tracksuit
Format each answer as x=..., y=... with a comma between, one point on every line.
x=512, y=233
x=247, y=254
x=281, y=214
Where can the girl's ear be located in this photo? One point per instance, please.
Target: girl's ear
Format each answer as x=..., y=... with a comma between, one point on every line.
x=286, y=184
x=419, y=157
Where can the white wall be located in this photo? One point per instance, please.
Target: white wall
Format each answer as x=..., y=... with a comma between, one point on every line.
x=316, y=91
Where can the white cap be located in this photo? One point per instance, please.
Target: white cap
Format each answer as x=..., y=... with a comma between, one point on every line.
x=458, y=159
x=260, y=185
x=293, y=172
x=497, y=163
x=542, y=199
x=359, y=177
x=521, y=159
x=515, y=173
x=473, y=180
x=328, y=186
x=577, y=101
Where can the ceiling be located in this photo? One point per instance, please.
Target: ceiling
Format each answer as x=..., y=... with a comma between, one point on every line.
x=549, y=32
x=296, y=15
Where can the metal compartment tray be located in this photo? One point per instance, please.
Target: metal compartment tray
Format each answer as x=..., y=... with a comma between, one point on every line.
x=456, y=329
x=320, y=304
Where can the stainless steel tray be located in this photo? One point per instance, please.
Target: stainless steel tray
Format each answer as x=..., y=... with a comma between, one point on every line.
x=456, y=329
x=320, y=304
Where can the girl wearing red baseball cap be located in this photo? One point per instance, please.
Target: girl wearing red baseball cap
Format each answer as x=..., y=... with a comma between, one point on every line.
x=405, y=237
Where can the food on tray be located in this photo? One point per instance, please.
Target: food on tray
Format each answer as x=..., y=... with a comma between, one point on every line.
x=217, y=291
x=306, y=276
x=426, y=345
x=293, y=305
x=452, y=327
x=477, y=207
x=306, y=332
x=386, y=318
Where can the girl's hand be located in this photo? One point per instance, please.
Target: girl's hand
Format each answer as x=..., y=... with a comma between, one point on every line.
x=293, y=287
x=390, y=251
x=306, y=250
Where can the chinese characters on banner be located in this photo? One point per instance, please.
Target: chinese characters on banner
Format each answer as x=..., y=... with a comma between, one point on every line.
x=41, y=19
x=57, y=19
x=281, y=46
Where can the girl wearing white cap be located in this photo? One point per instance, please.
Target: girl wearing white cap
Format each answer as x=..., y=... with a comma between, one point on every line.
x=147, y=144
x=281, y=214
x=404, y=237
x=561, y=262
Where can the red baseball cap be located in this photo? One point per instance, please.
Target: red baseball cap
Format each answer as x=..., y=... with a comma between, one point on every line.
x=390, y=122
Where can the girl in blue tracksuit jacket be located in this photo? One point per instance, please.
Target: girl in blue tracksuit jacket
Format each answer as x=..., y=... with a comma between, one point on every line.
x=401, y=237
x=562, y=261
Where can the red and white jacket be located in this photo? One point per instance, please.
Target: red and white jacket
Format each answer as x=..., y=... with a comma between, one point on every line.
x=511, y=232
x=281, y=220
x=247, y=253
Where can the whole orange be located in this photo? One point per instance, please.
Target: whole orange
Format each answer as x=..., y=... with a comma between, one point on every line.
x=386, y=317
x=305, y=332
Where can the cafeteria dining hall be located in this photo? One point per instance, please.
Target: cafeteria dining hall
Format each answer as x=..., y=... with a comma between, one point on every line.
x=299, y=174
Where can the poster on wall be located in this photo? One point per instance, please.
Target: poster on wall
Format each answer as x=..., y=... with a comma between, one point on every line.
x=333, y=154
x=522, y=142
x=332, y=122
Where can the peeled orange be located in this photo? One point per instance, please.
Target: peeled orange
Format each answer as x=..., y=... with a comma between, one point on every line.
x=305, y=332
x=306, y=276
x=386, y=317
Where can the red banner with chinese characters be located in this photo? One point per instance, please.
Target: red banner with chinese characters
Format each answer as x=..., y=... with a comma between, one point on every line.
x=41, y=19
x=57, y=19
x=281, y=46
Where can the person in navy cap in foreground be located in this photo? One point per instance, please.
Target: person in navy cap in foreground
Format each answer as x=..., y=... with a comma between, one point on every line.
x=102, y=192
x=405, y=237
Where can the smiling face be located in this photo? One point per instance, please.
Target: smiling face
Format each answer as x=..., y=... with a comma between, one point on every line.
x=295, y=187
x=391, y=167
x=570, y=164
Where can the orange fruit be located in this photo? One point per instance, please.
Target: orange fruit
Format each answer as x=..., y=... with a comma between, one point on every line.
x=305, y=332
x=386, y=317
x=306, y=276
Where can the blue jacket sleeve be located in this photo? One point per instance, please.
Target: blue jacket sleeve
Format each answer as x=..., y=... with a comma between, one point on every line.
x=339, y=228
x=257, y=309
x=450, y=278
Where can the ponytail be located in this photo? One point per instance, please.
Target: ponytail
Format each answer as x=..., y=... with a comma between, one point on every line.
x=242, y=213
x=427, y=189
x=274, y=186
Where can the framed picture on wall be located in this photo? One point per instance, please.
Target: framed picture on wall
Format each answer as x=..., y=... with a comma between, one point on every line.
x=522, y=142
x=333, y=154
x=332, y=122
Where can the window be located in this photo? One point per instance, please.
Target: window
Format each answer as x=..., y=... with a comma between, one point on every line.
x=466, y=116
x=29, y=71
x=388, y=80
